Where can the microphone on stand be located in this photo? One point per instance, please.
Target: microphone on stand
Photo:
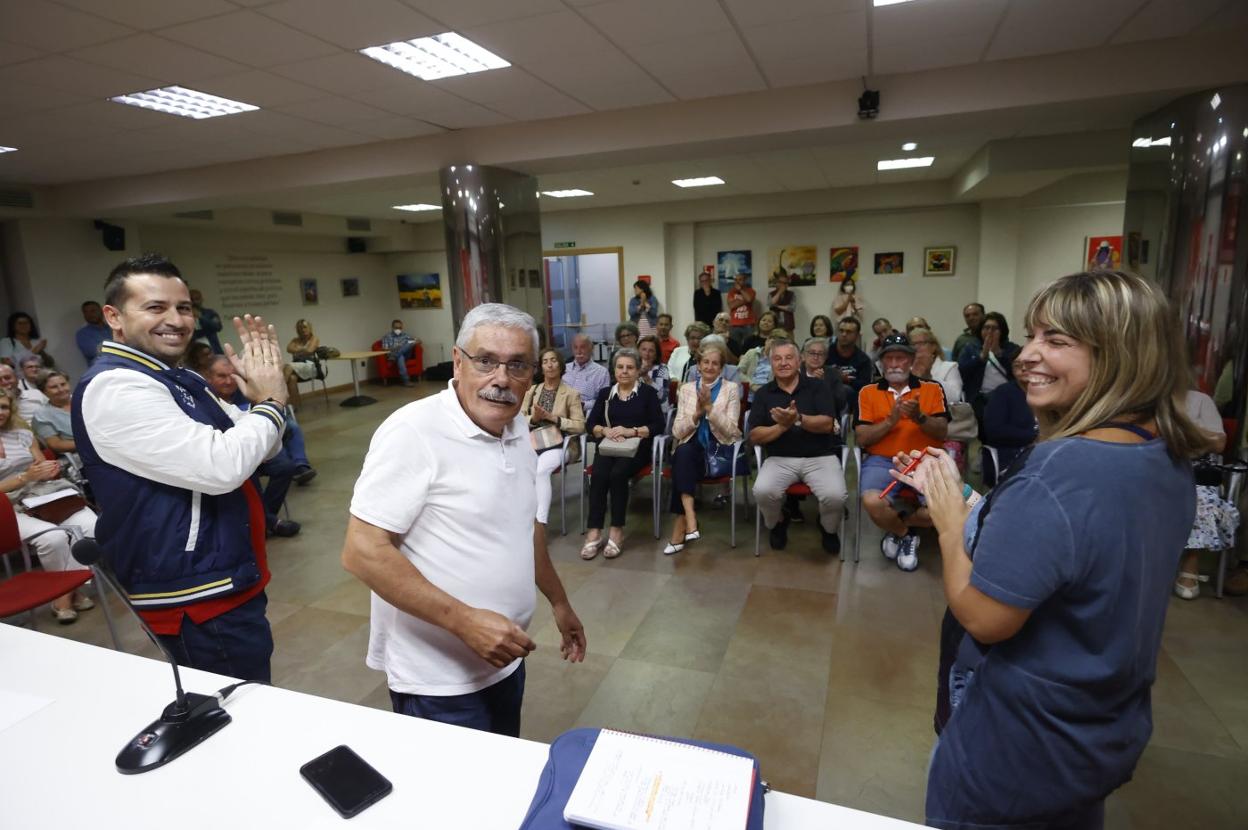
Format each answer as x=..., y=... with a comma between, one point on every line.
x=190, y=719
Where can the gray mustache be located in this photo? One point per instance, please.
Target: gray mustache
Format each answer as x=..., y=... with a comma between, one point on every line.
x=496, y=395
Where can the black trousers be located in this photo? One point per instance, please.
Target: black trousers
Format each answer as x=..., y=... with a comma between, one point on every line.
x=610, y=479
x=688, y=467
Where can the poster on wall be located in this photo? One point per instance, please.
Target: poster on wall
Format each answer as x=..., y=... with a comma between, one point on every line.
x=731, y=263
x=350, y=287
x=939, y=262
x=797, y=261
x=1103, y=252
x=307, y=289
x=420, y=290
x=890, y=262
x=843, y=263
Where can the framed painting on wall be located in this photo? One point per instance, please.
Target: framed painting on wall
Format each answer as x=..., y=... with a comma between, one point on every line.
x=350, y=287
x=939, y=262
x=890, y=262
x=795, y=261
x=1103, y=253
x=307, y=289
x=843, y=263
x=420, y=290
x=731, y=263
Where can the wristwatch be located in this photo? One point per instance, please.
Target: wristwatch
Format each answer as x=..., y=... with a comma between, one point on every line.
x=798, y=421
x=921, y=420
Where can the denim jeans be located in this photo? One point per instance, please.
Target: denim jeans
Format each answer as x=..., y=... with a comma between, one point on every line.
x=492, y=709
x=237, y=643
x=280, y=471
x=400, y=356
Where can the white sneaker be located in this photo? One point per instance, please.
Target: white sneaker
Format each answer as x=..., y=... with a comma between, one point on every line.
x=889, y=546
x=908, y=552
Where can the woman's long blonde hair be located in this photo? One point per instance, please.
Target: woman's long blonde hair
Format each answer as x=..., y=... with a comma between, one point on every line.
x=1139, y=363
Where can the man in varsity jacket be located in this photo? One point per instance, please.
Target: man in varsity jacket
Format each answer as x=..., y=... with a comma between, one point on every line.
x=180, y=522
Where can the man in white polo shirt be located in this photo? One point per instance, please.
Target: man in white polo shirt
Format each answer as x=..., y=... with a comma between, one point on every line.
x=442, y=529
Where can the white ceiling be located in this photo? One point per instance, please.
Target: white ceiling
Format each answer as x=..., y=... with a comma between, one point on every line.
x=60, y=60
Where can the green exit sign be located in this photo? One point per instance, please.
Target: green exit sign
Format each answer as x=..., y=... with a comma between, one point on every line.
x=565, y=244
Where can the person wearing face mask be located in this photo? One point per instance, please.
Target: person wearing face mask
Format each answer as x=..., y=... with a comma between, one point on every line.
x=848, y=302
x=901, y=413
x=399, y=344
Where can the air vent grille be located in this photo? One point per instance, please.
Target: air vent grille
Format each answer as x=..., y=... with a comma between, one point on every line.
x=291, y=220
x=17, y=198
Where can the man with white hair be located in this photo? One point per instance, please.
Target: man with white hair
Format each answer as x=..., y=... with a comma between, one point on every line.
x=442, y=530
x=899, y=414
x=583, y=374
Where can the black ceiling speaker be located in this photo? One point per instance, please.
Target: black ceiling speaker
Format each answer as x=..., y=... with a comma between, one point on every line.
x=869, y=104
x=114, y=236
x=356, y=245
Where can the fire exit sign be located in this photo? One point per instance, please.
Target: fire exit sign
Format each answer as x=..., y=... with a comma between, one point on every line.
x=565, y=244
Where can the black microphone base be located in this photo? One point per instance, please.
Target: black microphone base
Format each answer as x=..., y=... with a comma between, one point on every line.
x=175, y=733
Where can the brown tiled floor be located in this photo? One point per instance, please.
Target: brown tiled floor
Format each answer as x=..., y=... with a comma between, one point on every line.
x=825, y=671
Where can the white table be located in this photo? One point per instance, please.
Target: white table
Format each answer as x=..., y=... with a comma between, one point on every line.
x=351, y=357
x=56, y=765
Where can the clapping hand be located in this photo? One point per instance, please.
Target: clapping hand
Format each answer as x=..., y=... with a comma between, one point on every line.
x=258, y=369
x=937, y=478
x=909, y=409
x=44, y=470
x=785, y=417
x=704, y=399
x=540, y=413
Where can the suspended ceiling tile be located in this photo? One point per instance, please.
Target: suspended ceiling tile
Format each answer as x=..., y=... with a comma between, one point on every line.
x=260, y=88
x=395, y=127
x=828, y=47
x=354, y=25
x=605, y=81
x=12, y=53
x=652, y=21
x=698, y=67
x=43, y=25
x=1040, y=28
x=464, y=14
x=249, y=38
x=70, y=75
x=152, y=14
x=173, y=63
x=752, y=13
x=411, y=97
x=345, y=73
x=916, y=36
x=512, y=91
x=530, y=38
x=334, y=110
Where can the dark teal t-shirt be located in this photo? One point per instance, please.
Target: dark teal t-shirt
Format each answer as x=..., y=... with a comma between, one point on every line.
x=1087, y=534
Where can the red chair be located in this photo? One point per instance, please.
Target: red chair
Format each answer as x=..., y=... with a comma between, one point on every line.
x=743, y=422
x=386, y=369
x=26, y=592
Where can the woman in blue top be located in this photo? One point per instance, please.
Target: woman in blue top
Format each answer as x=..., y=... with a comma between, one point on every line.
x=643, y=308
x=1057, y=582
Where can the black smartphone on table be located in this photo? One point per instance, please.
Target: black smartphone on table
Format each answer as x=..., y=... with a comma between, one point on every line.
x=346, y=781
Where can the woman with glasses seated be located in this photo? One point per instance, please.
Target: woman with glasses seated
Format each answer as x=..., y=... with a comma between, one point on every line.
x=552, y=404
x=653, y=373
x=625, y=410
x=707, y=413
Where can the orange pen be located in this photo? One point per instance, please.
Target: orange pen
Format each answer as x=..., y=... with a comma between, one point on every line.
x=910, y=468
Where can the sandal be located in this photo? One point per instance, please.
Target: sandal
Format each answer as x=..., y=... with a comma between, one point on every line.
x=693, y=535
x=613, y=549
x=590, y=549
x=673, y=547
x=1186, y=592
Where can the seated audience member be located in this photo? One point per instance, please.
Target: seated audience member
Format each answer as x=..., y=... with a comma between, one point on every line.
x=782, y=302
x=707, y=301
x=583, y=374
x=1009, y=424
x=51, y=422
x=28, y=397
x=766, y=325
x=685, y=357
x=730, y=371
x=400, y=345
x=626, y=336
x=25, y=472
x=741, y=299
x=930, y=364
x=973, y=314
x=93, y=332
x=815, y=365
x=901, y=413
x=916, y=322
x=653, y=373
x=724, y=329
x=207, y=322
x=303, y=365
x=755, y=365
x=989, y=365
x=552, y=403
x=667, y=343
x=794, y=419
x=643, y=308
x=1216, y=518
x=852, y=362
x=23, y=342
x=627, y=409
x=280, y=469
x=198, y=356
x=707, y=423
x=882, y=329
x=821, y=326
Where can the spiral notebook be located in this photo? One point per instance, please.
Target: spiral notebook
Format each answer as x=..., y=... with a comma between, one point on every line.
x=635, y=782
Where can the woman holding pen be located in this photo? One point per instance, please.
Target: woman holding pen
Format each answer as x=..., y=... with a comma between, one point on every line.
x=1058, y=580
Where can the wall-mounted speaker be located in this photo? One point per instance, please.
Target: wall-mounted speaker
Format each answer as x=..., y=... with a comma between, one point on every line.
x=357, y=245
x=114, y=236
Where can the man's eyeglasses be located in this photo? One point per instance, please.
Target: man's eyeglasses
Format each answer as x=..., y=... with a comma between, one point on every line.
x=487, y=364
x=816, y=353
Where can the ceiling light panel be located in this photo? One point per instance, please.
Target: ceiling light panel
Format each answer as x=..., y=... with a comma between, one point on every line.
x=440, y=56
x=909, y=147
x=8, y=149
x=902, y=164
x=417, y=208
x=703, y=181
x=566, y=194
x=188, y=103
x=878, y=3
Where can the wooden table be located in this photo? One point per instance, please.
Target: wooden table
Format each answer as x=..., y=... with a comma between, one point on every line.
x=357, y=399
